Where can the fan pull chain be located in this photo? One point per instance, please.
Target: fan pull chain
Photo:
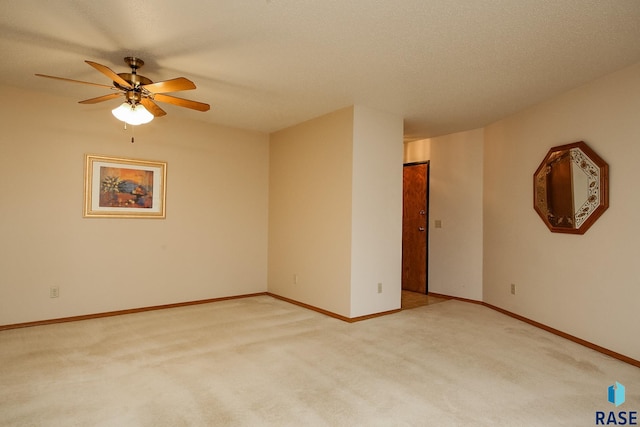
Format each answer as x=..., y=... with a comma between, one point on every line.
x=132, y=132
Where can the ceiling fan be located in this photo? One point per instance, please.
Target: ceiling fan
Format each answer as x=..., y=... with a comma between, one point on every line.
x=140, y=93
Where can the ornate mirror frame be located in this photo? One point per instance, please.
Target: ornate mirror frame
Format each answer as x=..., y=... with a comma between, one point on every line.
x=571, y=188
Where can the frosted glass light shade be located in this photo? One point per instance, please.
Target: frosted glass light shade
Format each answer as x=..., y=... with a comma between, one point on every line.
x=132, y=114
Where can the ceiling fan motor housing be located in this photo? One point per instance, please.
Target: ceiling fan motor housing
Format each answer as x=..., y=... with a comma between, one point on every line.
x=133, y=96
x=136, y=81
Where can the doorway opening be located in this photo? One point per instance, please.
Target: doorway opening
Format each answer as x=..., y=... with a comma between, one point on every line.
x=415, y=230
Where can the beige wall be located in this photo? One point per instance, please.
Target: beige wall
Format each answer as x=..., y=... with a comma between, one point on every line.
x=310, y=168
x=213, y=242
x=589, y=285
x=335, y=212
x=417, y=151
x=455, y=199
x=376, y=242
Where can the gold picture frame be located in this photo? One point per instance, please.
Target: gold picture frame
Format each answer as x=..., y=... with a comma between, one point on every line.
x=116, y=187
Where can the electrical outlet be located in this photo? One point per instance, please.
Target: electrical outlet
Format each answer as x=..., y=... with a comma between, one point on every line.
x=54, y=292
x=380, y=287
x=513, y=289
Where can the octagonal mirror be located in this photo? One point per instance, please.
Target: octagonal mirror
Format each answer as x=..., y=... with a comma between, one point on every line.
x=571, y=188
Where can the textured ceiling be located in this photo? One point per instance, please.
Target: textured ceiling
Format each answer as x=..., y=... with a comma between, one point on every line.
x=444, y=66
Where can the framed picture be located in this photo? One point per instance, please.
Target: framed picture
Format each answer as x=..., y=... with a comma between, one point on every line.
x=124, y=188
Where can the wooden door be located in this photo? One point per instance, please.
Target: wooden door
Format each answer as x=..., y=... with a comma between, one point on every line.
x=415, y=227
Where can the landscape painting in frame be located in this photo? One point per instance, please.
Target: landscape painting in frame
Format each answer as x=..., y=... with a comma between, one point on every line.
x=124, y=188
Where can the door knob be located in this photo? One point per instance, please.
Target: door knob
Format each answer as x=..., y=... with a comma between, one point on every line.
x=420, y=228
x=423, y=212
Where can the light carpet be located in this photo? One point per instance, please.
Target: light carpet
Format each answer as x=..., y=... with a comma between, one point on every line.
x=260, y=361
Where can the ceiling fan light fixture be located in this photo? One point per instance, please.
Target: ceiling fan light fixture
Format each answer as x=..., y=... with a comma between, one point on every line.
x=132, y=114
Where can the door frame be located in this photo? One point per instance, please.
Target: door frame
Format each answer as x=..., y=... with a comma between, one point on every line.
x=428, y=178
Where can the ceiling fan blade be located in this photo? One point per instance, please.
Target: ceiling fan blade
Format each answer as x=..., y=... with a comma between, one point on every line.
x=73, y=81
x=173, y=85
x=194, y=105
x=152, y=107
x=100, y=98
x=110, y=73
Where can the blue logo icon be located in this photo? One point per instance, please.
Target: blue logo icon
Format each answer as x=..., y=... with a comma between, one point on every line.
x=616, y=394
